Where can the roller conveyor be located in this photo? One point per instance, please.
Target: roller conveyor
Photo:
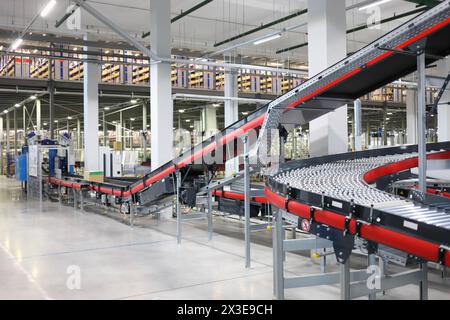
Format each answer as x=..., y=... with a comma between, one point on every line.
x=340, y=189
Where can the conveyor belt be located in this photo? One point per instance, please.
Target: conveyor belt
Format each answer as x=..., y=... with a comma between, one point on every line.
x=359, y=74
x=338, y=187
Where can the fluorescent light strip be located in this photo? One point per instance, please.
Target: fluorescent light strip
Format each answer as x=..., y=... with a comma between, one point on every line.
x=48, y=7
x=377, y=3
x=16, y=44
x=275, y=36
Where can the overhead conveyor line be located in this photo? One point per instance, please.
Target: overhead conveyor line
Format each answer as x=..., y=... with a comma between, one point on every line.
x=359, y=74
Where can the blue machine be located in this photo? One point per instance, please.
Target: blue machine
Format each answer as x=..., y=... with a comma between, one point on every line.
x=52, y=154
x=21, y=168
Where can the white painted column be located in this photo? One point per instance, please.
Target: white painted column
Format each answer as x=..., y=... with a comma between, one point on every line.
x=443, y=67
x=90, y=95
x=209, y=121
x=231, y=113
x=38, y=116
x=327, y=45
x=411, y=116
x=1, y=131
x=161, y=108
x=357, y=124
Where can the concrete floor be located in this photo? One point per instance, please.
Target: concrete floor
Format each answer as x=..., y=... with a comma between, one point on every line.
x=40, y=244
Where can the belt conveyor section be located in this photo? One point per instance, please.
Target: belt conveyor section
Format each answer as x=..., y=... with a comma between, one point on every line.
x=70, y=182
x=337, y=191
x=360, y=73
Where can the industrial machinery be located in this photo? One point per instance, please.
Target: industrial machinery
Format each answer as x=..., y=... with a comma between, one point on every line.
x=333, y=196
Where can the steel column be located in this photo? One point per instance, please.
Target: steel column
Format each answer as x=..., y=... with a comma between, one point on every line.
x=209, y=199
x=105, y=130
x=278, y=270
x=357, y=122
x=247, y=201
x=178, y=206
x=345, y=280
x=51, y=101
x=371, y=261
x=424, y=281
x=15, y=132
x=422, y=121
x=38, y=116
x=79, y=144
x=24, y=120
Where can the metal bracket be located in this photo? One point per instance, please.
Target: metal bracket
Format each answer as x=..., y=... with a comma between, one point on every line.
x=346, y=226
x=441, y=254
x=312, y=212
x=343, y=247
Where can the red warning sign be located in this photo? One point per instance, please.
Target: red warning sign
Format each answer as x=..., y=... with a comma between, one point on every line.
x=305, y=225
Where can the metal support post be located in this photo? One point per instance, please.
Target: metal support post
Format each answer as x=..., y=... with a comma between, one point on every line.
x=371, y=261
x=247, y=201
x=345, y=280
x=424, y=281
x=131, y=214
x=105, y=131
x=81, y=200
x=51, y=101
x=210, y=222
x=178, y=206
x=24, y=120
x=422, y=121
x=278, y=270
x=15, y=132
x=74, y=198
x=323, y=261
x=357, y=122
x=59, y=194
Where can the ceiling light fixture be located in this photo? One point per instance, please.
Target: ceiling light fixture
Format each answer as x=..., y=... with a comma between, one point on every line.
x=17, y=105
x=267, y=39
x=16, y=44
x=48, y=7
x=33, y=97
x=374, y=4
x=133, y=101
x=181, y=111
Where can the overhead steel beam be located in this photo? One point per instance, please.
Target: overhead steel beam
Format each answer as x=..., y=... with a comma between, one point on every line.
x=189, y=11
x=148, y=52
x=182, y=15
x=362, y=27
x=428, y=3
x=263, y=26
x=66, y=16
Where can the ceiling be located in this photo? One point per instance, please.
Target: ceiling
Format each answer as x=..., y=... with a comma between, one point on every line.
x=193, y=35
x=213, y=23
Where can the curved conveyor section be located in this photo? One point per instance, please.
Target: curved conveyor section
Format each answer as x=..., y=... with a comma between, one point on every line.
x=338, y=188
